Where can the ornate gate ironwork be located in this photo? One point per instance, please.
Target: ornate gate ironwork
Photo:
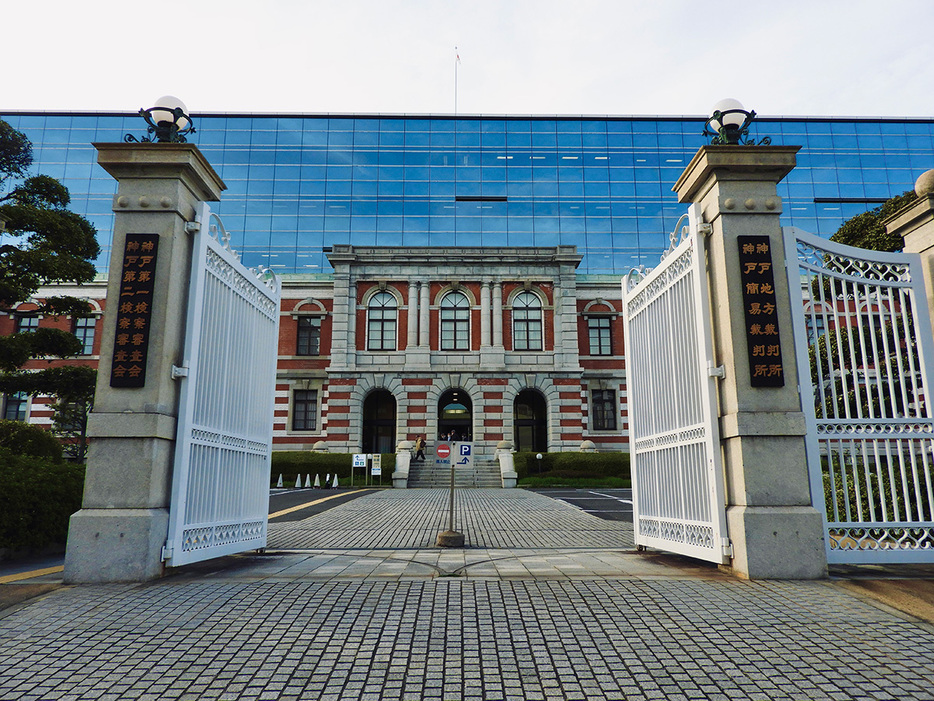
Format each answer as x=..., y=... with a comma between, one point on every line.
x=220, y=489
x=677, y=476
x=864, y=331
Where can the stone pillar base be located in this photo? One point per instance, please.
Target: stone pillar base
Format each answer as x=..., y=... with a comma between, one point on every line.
x=777, y=542
x=400, y=476
x=493, y=358
x=417, y=359
x=507, y=467
x=115, y=545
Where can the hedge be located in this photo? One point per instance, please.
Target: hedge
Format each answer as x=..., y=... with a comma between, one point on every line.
x=570, y=465
x=291, y=463
x=21, y=438
x=573, y=465
x=37, y=496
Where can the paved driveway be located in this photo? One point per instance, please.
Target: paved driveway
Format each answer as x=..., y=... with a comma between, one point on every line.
x=488, y=518
x=518, y=615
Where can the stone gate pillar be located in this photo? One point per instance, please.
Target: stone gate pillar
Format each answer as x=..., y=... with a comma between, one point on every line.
x=118, y=534
x=775, y=532
x=915, y=224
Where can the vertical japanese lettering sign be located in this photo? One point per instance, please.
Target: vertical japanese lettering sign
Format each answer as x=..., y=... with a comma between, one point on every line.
x=134, y=311
x=762, y=337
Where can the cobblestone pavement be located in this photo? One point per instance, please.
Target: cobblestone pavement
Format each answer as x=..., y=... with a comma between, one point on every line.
x=482, y=623
x=488, y=518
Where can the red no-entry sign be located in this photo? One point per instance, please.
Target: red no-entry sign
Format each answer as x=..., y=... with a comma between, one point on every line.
x=444, y=450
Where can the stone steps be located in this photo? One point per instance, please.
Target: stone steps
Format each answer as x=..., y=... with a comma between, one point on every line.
x=481, y=475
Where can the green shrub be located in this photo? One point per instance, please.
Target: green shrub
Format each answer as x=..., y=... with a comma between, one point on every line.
x=21, y=438
x=291, y=463
x=37, y=496
x=573, y=465
x=853, y=489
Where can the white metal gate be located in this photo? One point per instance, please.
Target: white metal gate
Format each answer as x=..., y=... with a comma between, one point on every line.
x=677, y=476
x=220, y=489
x=862, y=328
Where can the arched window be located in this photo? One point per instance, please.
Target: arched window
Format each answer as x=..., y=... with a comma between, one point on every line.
x=381, y=322
x=527, y=322
x=455, y=322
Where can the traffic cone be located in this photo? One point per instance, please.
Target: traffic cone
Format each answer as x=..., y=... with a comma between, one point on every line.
x=327, y=481
x=317, y=481
x=308, y=480
x=298, y=482
x=334, y=486
x=279, y=483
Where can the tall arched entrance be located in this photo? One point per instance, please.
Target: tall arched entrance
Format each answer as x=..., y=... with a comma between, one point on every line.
x=529, y=420
x=379, y=422
x=455, y=414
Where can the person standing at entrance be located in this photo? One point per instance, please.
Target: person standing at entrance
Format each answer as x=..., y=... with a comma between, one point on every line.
x=420, y=448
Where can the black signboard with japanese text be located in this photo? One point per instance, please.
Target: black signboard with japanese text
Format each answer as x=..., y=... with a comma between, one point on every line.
x=134, y=311
x=763, y=340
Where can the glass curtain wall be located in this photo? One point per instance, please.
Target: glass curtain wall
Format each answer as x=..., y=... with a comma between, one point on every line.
x=300, y=183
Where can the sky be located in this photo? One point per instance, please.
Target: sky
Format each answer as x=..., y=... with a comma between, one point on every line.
x=601, y=57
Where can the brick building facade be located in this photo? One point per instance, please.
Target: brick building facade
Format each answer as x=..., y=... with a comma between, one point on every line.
x=493, y=344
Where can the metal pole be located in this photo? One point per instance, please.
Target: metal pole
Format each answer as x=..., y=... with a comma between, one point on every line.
x=451, y=519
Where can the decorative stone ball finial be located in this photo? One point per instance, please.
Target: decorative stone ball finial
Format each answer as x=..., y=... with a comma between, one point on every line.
x=924, y=185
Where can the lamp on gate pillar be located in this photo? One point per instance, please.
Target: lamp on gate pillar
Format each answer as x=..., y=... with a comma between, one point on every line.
x=168, y=121
x=729, y=124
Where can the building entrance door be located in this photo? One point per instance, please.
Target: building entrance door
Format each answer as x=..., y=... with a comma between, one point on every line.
x=531, y=428
x=379, y=422
x=455, y=415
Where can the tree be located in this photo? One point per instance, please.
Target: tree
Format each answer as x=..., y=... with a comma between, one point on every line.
x=843, y=386
x=47, y=245
x=867, y=231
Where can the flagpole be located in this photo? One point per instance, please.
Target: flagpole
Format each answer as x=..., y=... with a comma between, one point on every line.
x=456, y=61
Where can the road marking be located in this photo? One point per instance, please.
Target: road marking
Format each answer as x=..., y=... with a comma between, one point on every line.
x=6, y=579
x=311, y=503
x=610, y=496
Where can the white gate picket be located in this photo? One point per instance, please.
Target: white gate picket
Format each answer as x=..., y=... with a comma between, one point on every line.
x=861, y=324
x=220, y=490
x=677, y=477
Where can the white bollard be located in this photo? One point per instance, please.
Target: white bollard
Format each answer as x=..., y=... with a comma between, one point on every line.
x=279, y=483
x=298, y=482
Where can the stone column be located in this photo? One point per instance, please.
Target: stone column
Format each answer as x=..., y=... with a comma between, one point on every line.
x=497, y=314
x=417, y=356
x=484, y=314
x=352, y=324
x=118, y=534
x=411, y=340
x=915, y=224
x=775, y=531
x=423, y=309
x=343, y=319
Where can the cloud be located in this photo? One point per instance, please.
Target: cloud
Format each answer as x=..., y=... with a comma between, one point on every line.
x=519, y=57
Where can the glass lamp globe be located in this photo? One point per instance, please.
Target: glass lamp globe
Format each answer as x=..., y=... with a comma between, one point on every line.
x=163, y=111
x=734, y=120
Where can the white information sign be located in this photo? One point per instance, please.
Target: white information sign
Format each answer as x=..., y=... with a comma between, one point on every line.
x=458, y=453
x=462, y=455
x=376, y=465
x=359, y=460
